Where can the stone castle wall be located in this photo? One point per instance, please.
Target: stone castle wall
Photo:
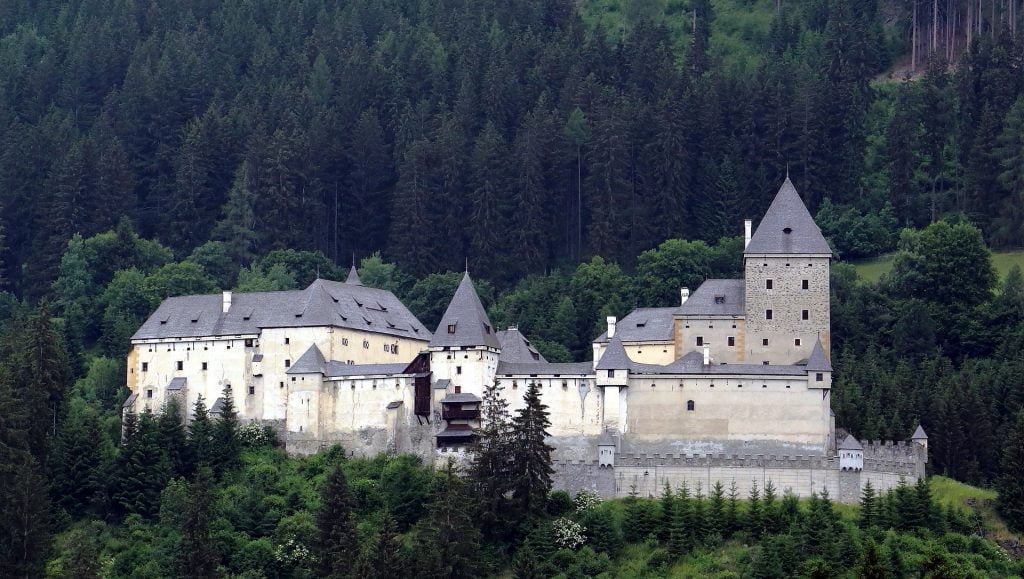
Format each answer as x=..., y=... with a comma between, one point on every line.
x=787, y=299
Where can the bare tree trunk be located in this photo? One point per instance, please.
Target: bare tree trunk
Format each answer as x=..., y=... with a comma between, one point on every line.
x=935, y=26
x=913, y=40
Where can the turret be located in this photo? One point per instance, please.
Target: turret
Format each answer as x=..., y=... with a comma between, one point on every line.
x=465, y=347
x=851, y=454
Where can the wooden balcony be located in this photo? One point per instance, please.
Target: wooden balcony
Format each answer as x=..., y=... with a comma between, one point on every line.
x=449, y=413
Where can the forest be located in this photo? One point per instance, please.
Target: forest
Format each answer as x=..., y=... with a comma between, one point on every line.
x=581, y=159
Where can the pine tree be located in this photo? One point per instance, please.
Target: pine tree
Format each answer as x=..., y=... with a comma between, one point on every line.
x=716, y=510
x=770, y=516
x=78, y=470
x=446, y=540
x=200, y=435
x=868, y=507
x=490, y=471
x=24, y=518
x=383, y=557
x=226, y=445
x=173, y=440
x=871, y=565
x=754, y=515
x=1010, y=484
x=681, y=533
x=667, y=501
x=337, y=541
x=197, y=557
x=732, y=511
x=531, y=456
x=141, y=470
x=39, y=368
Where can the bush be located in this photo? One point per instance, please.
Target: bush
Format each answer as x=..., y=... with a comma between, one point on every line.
x=559, y=503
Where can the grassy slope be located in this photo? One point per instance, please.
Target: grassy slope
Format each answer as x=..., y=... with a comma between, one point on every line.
x=872, y=269
x=950, y=492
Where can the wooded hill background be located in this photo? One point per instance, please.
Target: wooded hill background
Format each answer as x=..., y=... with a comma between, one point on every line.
x=445, y=130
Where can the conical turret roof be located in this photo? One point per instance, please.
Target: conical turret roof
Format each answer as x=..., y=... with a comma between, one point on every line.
x=850, y=443
x=614, y=357
x=353, y=277
x=919, y=434
x=788, y=227
x=465, y=322
x=818, y=362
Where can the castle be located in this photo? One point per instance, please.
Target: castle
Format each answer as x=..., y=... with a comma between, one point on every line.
x=732, y=385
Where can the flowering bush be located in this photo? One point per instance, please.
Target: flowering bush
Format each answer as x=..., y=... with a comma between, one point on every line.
x=253, y=434
x=586, y=500
x=293, y=553
x=568, y=533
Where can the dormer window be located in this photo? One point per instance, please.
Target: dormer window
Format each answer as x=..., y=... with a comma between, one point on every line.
x=719, y=300
x=535, y=355
x=451, y=328
x=819, y=377
x=611, y=373
x=787, y=230
x=487, y=329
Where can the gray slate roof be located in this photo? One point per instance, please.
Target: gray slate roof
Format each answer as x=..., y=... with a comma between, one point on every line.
x=394, y=404
x=705, y=301
x=818, y=362
x=452, y=431
x=614, y=357
x=919, y=434
x=442, y=384
x=337, y=369
x=545, y=368
x=606, y=439
x=177, y=384
x=850, y=443
x=130, y=401
x=353, y=277
x=218, y=406
x=516, y=348
x=323, y=303
x=468, y=320
x=787, y=212
x=310, y=362
x=644, y=325
x=461, y=398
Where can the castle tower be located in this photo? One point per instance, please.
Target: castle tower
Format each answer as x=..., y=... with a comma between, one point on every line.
x=786, y=271
x=465, y=347
x=612, y=377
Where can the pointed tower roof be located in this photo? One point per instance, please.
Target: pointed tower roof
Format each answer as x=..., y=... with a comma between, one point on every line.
x=311, y=362
x=465, y=322
x=818, y=362
x=919, y=434
x=353, y=277
x=850, y=443
x=614, y=357
x=788, y=227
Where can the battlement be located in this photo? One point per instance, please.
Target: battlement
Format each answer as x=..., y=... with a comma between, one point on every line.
x=887, y=451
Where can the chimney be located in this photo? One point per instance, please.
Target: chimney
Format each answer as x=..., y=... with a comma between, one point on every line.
x=707, y=355
x=226, y=305
x=747, y=226
x=611, y=327
x=684, y=294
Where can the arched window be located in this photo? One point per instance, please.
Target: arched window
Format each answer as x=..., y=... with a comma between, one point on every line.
x=689, y=405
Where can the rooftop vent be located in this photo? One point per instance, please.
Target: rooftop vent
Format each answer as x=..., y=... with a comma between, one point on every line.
x=787, y=230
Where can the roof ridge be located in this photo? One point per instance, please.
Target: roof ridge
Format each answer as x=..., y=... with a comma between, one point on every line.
x=787, y=227
x=465, y=321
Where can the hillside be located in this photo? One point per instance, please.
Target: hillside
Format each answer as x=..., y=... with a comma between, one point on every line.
x=872, y=269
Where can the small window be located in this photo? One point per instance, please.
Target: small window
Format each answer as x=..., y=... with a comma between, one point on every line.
x=515, y=384
x=149, y=393
x=805, y=284
x=487, y=329
x=611, y=373
x=719, y=299
x=252, y=389
x=344, y=341
x=819, y=377
x=796, y=342
x=805, y=314
x=204, y=365
x=366, y=345
x=689, y=405
x=451, y=328
x=768, y=284
x=700, y=340
x=145, y=366
x=287, y=340
x=535, y=355
x=767, y=314
x=287, y=363
x=458, y=370
x=764, y=342
x=787, y=231
x=180, y=365
x=281, y=385
x=766, y=363
x=732, y=340
x=248, y=343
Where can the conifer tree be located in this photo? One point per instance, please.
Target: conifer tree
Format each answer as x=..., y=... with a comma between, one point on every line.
x=667, y=513
x=200, y=435
x=78, y=469
x=732, y=510
x=698, y=518
x=716, y=510
x=24, y=518
x=868, y=507
x=754, y=515
x=382, y=559
x=173, y=440
x=226, y=445
x=197, y=557
x=531, y=456
x=141, y=468
x=1010, y=485
x=769, y=508
x=681, y=534
x=490, y=470
x=337, y=541
x=446, y=540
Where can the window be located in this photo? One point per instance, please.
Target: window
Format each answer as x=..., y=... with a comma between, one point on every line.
x=451, y=328
x=719, y=299
x=204, y=365
x=487, y=329
x=689, y=405
x=805, y=314
x=515, y=384
x=535, y=355
x=344, y=341
x=700, y=340
x=252, y=389
x=387, y=348
x=764, y=342
x=767, y=314
x=611, y=373
x=768, y=284
x=819, y=377
x=732, y=340
x=149, y=393
x=805, y=284
x=180, y=365
x=145, y=366
x=766, y=363
x=248, y=343
x=287, y=363
x=796, y=342
x=281, y=385
x=458, y=370
x=287, y=340
x=366, y=345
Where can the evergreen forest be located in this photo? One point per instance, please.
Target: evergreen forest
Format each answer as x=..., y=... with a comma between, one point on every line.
x=581, y=158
